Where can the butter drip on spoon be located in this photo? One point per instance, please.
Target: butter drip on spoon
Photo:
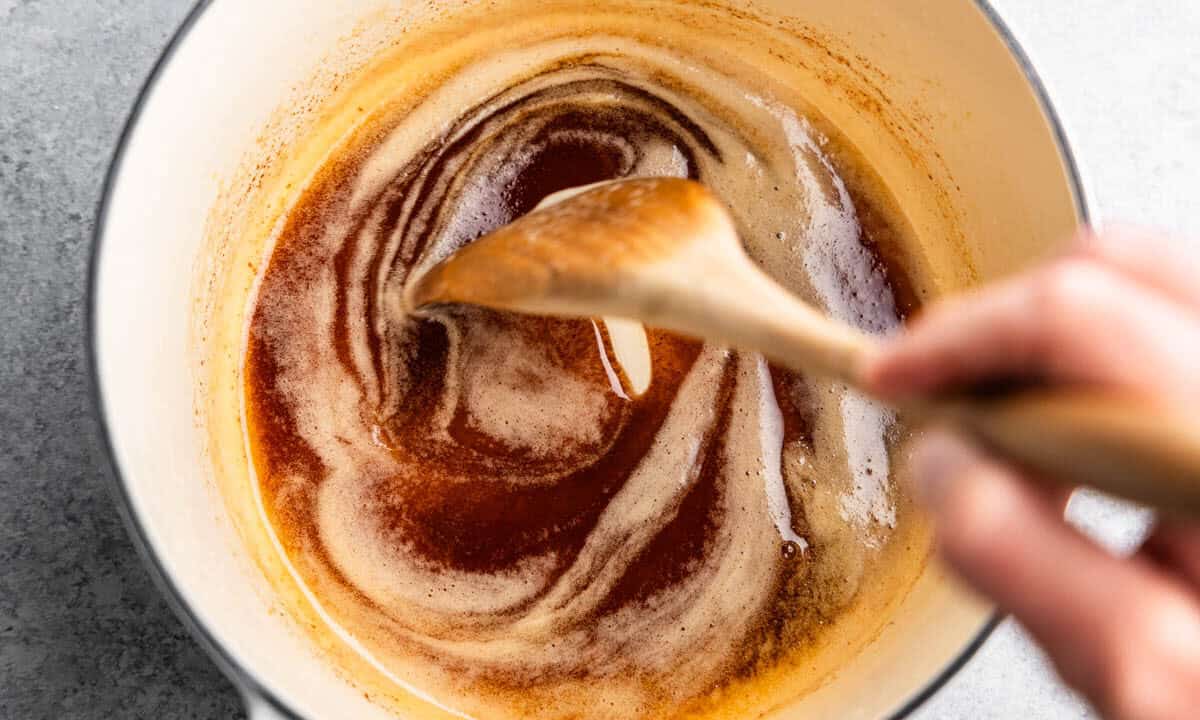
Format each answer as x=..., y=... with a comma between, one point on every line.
x=630, y=346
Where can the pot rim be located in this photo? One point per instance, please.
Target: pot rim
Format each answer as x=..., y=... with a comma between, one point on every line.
x=243, y=677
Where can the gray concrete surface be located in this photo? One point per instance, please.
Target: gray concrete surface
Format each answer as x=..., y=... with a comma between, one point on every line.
x=83, y=631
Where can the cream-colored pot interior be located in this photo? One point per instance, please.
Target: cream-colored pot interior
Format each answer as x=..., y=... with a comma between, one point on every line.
x=963, y=139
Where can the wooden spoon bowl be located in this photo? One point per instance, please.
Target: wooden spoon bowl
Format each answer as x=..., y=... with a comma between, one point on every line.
x=666, y=252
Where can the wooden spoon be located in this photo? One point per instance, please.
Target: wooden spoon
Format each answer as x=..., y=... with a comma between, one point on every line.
x=666, y=252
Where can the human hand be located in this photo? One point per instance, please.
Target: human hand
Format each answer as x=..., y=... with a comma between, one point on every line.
x=1120, y=311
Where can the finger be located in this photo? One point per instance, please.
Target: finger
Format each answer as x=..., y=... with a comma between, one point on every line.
x=1074, y=321
x=1174, y=546
x=1147, y=258
x=984, y=333
x=1118, y=631
x=1009, y=541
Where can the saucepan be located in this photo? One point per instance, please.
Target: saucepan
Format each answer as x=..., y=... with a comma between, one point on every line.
x=938, y=94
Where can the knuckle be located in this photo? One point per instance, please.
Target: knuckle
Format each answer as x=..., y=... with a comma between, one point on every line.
x=1062, y=302
x=980, y=508
x=1063, y=290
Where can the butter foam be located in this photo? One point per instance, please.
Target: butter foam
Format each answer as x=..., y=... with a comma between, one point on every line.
x=479, y=499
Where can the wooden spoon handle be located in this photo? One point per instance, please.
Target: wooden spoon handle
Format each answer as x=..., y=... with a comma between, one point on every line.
x=1122, y=445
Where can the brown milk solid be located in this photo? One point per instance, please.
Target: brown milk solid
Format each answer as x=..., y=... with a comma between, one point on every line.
x=479, y=500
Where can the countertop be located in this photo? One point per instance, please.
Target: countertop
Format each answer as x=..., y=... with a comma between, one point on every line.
x=83, y=631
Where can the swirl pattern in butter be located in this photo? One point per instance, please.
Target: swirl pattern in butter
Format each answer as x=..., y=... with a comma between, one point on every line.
x=480, y=500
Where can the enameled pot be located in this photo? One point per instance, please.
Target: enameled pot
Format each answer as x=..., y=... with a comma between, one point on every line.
x=950, y=65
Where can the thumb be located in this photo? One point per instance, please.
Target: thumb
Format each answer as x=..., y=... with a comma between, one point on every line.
x=1124, y=634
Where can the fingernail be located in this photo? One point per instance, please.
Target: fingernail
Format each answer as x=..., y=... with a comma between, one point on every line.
x=938, y=461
